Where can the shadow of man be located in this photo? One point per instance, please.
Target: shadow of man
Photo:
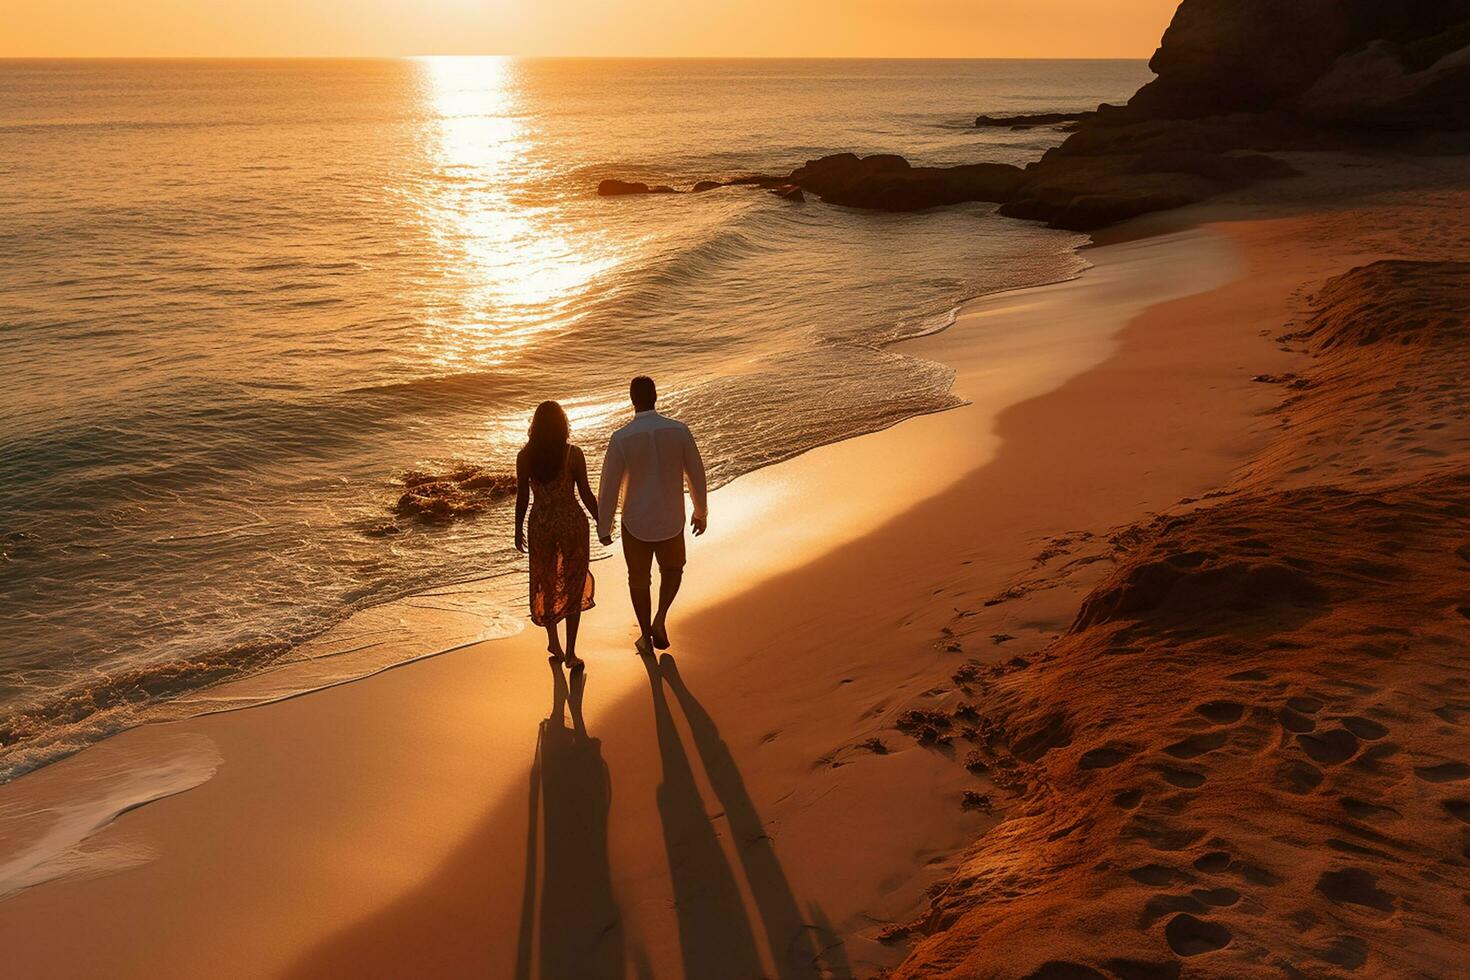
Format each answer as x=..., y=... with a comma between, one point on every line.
x=800, y=948
x=715, y=939
x=579, y=925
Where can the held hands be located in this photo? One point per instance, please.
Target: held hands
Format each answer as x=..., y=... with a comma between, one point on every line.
x=699, y=524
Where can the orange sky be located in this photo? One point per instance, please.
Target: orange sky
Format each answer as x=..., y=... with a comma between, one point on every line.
x=833, y=28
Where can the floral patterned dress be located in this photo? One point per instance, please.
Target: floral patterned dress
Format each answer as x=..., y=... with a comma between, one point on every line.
x=559, y=543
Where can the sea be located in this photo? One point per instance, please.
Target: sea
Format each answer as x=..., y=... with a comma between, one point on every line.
x=247, y=306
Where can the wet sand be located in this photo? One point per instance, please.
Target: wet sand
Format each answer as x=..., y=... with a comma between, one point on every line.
x=728, y=812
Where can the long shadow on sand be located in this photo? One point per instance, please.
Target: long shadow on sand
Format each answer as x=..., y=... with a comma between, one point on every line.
x=579, y=926
x=715, y=933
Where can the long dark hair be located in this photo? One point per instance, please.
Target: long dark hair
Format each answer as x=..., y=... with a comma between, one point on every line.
x=546, y=443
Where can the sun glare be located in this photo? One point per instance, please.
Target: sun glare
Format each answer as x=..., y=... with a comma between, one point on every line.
x=510, y=259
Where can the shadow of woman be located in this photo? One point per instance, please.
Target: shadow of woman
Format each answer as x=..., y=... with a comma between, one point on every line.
x=799, y=947
x=579, y=925
x=715, y=939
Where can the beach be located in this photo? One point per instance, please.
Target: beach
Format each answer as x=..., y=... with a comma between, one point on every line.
x=781, y=810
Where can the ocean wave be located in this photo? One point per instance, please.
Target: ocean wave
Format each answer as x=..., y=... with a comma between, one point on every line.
x=212, y=486
x=52, y=724
x=383, y=631
x=46, y=830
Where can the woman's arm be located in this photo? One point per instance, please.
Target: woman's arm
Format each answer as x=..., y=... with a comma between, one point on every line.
x=523, y=499
x=584, y=486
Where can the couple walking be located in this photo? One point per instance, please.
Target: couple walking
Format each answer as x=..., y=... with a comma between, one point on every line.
x=646, y=465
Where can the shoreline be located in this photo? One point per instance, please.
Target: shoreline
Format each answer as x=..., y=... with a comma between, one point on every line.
x=392, y=633
x=422, y=808
x=944, y=456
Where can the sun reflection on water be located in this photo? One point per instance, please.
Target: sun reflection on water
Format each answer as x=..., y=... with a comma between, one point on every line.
x=586, y=415
x=507, y=261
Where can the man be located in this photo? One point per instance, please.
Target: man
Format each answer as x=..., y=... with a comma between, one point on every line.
x=651, y=455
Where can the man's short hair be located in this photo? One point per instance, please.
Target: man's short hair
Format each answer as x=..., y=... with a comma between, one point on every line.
x=643, y=392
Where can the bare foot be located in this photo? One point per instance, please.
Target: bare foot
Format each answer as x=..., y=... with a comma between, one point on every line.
x=644, y=646
x=573, y=661
x=660, y=634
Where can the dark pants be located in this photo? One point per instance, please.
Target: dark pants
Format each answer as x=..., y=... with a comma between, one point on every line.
x=639, y=555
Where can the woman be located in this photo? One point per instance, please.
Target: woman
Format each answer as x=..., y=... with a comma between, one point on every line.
x=561, y=584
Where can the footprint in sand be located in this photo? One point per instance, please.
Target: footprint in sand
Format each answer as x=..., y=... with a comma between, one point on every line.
x=1221, y=712
x=1157, y=875
x=1212, y=863
x=1369, y=760
x=1459, y=809
x=1362, y=809
x=1295, y=722
x=1189, y=936
x=1304, y=703
x=1453, y=713
x=1445, y=772
x=1249, y=675
x=1364, y=728
x=1331, y=747
x=1296, y=776
x=1128, y=799
x=1197, y=745
x=1355, y=886
x=1105, y=757
x=1183, y=778
x=1348, y=952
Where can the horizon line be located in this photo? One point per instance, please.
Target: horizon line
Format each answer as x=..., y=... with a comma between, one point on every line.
x=559, y=57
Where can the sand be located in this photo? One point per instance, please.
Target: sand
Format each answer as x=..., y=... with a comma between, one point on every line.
x=761, y=803
x=1247, y=755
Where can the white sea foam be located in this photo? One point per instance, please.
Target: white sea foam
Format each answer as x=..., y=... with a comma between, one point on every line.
x=53, y=825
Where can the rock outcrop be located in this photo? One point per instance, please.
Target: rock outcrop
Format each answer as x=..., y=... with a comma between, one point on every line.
x=881, y=182
x=1029, y=120
x=1236, y=77
x=1223, y=56
x=885, y=182
x=617, y=188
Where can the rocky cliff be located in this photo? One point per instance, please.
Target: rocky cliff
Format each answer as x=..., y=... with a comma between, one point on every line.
x=1237, y=76
x=1236, y=79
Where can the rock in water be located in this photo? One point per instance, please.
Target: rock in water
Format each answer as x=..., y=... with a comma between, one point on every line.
x=886, y=182
x=789, y=192
x=613, y=188
x=1027, y=120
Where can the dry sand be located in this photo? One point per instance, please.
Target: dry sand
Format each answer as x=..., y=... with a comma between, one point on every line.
x=756, y=805
x=1248, y=754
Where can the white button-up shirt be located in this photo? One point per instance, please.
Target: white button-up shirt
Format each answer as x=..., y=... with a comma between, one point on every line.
x=651, y=456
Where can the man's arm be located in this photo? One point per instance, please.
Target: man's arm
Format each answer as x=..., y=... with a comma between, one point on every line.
x=609, y=488
x=694, y=472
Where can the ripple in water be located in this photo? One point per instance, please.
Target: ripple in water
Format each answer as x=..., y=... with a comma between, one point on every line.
x=244, y=304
